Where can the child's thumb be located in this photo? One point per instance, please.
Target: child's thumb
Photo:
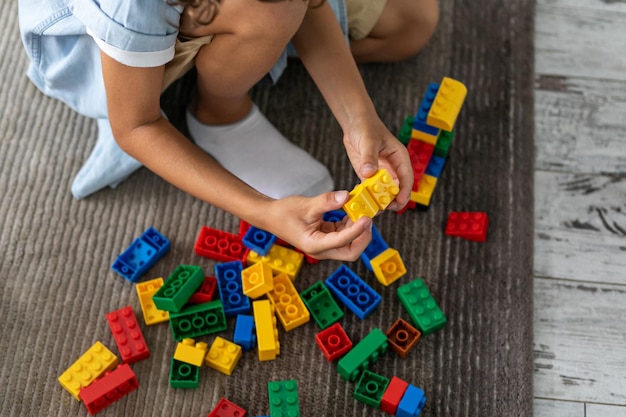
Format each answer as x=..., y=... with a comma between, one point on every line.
x=369, y=160
x=330, y=201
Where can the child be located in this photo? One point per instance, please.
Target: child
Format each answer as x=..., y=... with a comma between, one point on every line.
x=111, y=59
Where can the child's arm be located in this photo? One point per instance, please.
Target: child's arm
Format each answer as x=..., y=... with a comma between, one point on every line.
x=369, y=144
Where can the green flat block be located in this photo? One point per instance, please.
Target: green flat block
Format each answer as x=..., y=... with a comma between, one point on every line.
x=362, y=355
x=443, y=143
x=422, y=308
x=198, y=320
x=178, y=288
x=370, y=388
x=183, y=375
x=283, y=398
x=406, y=130
x=321, y=305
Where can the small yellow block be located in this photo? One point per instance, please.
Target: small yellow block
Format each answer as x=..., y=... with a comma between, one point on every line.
x=360, y=203
x=223, y=355
x=371, y=196
x=280, y=259
x=290, y=308
x=266, y=331
x=388, y=266
x=447, y=104
x=425, y=190
x=425, y=137
x=190, y=352
x=145, y=291
x=257, y=280
x=91, y=365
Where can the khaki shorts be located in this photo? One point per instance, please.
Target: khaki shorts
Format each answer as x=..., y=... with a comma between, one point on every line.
x=362, y=16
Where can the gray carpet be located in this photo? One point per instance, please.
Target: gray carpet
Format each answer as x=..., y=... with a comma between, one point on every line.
x=55, y=252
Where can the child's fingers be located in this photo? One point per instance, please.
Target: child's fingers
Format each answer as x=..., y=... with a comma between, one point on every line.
x=346, y=243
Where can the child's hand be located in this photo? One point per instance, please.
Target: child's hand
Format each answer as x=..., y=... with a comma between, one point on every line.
x=298, y=220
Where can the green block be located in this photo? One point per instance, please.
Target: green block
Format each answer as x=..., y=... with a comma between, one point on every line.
x=362, y=355
x=370, y=388
x=422, y=308
x=283, y=398
x=178, y=288
x=443, y=143
x=406, y=130
x=183, y=375
x=321, y=305
x=198, y=320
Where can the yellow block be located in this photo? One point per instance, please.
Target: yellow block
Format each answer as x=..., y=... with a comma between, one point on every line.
x=257, y=280
x=290, y=308
x=425, y=190
x=266, y=331
x=145, y=291
x=190, y=352
x=371, y=196
x=280, y=259
x=447, y=104
x=223, y=355
x=93, y=364
x=425, y=137
x=388, y=266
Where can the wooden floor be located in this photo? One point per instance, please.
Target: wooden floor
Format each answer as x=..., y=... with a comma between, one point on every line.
x=580, y=209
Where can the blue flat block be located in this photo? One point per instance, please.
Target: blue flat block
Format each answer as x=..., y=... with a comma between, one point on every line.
x=141, y=255
x=376, y=246
x=334, y=216
x=412, y=402
x=420, y=121
x=228, y=276
x=259, y=240
x=348, y=287
x=435, y=166
x=245, y=334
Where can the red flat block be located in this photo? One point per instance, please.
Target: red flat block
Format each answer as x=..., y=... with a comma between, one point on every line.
x=220, y=246
x=334, y=342
x=205, y=293
x=127, y=334
x=111, y=387
x=470, y=225
x=225, y=408
x=393, y=395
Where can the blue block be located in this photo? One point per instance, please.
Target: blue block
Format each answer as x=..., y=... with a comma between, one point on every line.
x=359, y=297
x=435, y=166
x=141, y=255
x=412, y=402
x=228, y=276
x=259, y=240
x=334, y=216
x=420, y=121
x=245, y=334
x=376, y=246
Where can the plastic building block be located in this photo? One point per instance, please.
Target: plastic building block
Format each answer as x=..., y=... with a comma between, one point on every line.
x=421, y=306
x=470, y=225
x=188, y=351
x=243, y=227
x=205, y=293
x=388, y=266
x=183, y=375
x=420, y=154
x=91, y=365
x=421, y=136
x=447, y=104
x=404, y=135
x=287, y=303
x=334, y=216
x=360, y=203
x=128, y=336
x=443, y=144
x=393, y=395
x=219, y=245
x=145, y=292
x=370, y=388
x=425, y=191
x=371, y=196
x=141, y=255
x=412, y=402
x=245, y=334
x=111, y=387
x=321, y=305
x=362, y=355
x=435, y=166
x=259, y=240
x=280, y=259
x=283, y=398
x=198, y=320
x=334, y=342
x=223, y=355
x=257, y=280
x=409, y=206
x=421, y=118
x=225, y=408
x=376, y=246
x=178, y=288
x=266, y=331
x=359, y=297
x=403, y=337
x=231, y=289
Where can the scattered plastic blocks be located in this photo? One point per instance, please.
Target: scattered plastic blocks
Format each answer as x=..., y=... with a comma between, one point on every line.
x=257, y=280
x=283, y=398
x=376, y=246
x=266, y=331
x=141, y=255
x=420, y=121
x=425, y=190
x=219, y=245
x=198, y=320
x=188, y=351
x=403, y=337
x=111, y=387
x=388, y=266
x=184, y=375
x=178, y=288
x=287, y=303
x=223, y=355
x=334, y=342
x=370, y=388
x=127, y=334
x=447, y=104
x=205, y=293
x=470, y=225
x=359, y=297
x=362, y=355
x=225, y=408
x=421, y=306
x=258, y=240
x=145, y=292
x=280, y=259
x=244, y=334
x=321, y=305
x=393, y=395
x=412, y=402
x=406, y=130
x=91, y=365
x=231, y=290
x=371, y=196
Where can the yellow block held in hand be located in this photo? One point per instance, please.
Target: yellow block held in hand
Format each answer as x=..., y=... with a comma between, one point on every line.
x=371, y=196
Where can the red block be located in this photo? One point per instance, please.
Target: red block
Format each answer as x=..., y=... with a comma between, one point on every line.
x=393, y=395
x=243, y=227
x=470, y=225
x=410, y=205
x=220, y=246
x=420, y=154
x=334, y=342
x=205, y=292
x=128, y=336
x=225, y=408
x=111, y=387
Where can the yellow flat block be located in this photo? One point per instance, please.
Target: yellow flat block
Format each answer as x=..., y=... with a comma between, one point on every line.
x=447, y=104
x=91, y=365
x=425, y=137
x=145, y=291
x=257, y=280
x=290, y=308
x=388, y=266
x=280, y=259
x=223, y=355
x=190, y=352
x=425, y=190
x=266, y=331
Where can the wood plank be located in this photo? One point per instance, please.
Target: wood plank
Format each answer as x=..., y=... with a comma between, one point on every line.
x=576, y=42
x=580, y=227
x=580, y=341
x=614, y=5
x=580, y=125
x=554, y=408
x=602, y=410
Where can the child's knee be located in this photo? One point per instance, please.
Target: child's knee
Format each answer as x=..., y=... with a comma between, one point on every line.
x=419, y=22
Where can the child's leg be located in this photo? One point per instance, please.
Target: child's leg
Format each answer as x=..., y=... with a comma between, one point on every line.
x=401, y=30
